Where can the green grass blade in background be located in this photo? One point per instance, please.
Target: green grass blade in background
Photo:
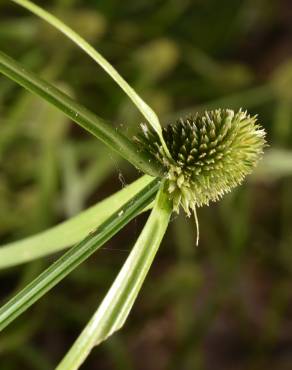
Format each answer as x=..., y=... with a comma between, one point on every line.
x=76, y=255
x=79, y=114
x=114, y=309
x=248, y=98
x=68, y=232
x=276, y=164
x=144, y=108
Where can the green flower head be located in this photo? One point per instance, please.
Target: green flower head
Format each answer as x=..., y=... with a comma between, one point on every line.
x=211, y=153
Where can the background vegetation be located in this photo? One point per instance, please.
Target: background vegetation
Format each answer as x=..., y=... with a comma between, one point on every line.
x=225, y=305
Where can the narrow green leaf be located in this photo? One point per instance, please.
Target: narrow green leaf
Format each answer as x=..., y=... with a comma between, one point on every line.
x=68, y=232
x=76, y=255
x=79, y=114
x=276, y=164
x=144, y=108
x=115, y=308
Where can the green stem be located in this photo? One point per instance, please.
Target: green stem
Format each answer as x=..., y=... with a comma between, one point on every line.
x=76, y=255
x=116, y=306
x=82, y=116
x=68, y=232
x=143, y=107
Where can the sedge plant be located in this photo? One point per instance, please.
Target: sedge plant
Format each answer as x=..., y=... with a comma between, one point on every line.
x=188, y=164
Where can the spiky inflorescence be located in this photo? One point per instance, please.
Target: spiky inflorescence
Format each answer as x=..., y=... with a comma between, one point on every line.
x=211, y=154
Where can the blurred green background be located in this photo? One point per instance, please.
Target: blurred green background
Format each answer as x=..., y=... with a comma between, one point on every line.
x=224, y=305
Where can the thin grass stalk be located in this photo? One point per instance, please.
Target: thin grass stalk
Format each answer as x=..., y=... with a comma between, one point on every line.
x=76, y=255
x=113, y=138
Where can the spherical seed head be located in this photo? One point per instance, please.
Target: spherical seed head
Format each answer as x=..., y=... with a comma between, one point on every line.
x=211, y=154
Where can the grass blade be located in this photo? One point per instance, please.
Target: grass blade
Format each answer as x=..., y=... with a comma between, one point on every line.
x=79, y=114
x=144, y=108
x=114, y=309
x=76, y=255
x=68, y=232
x=276, y=164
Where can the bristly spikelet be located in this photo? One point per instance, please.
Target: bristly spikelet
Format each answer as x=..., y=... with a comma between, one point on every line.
x=211, y=154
